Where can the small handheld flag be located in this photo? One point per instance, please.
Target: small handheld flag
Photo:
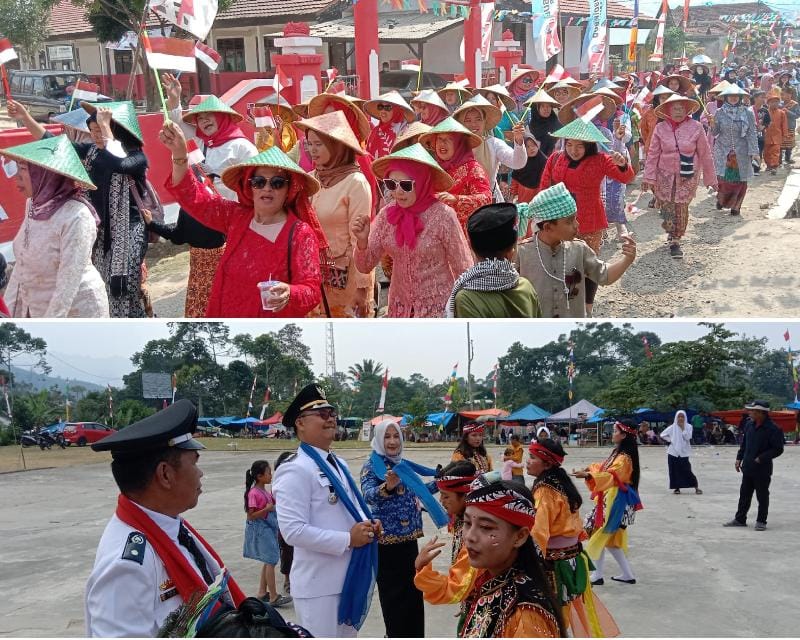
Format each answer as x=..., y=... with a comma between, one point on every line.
x=207, y=55
x=263, y=118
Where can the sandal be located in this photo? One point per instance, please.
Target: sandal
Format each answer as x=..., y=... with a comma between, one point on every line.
x=698, y=491
x=677, y=491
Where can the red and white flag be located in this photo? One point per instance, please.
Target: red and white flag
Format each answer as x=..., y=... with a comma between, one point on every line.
x=589, y=109
x=384, y=387
x=207, y=55
x=280, y=81
x=494, y=382
x=262, y=117
x=332, y=74
x=265, y=403
x=174, y=388
x=641, y=97
x=87, y=91
x=194, y=16
x=557, y=74
x=195, y=153
x=7, y=53
x=658, y=50
x=170, y=53
x=410, y=65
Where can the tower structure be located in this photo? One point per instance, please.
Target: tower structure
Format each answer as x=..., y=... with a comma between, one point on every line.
x=330, y=351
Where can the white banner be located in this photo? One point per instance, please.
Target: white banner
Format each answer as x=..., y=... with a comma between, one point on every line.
x=487, y=15
x=595, y=42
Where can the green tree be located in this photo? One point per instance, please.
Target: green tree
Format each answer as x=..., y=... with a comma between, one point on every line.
x=130, y=411
x=35, y=410
x=365, y=370
x=93, y=407
x=25, y=23
x=211, y=337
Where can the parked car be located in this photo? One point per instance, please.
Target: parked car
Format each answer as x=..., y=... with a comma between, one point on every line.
x=45, y=93
x=83, y=433
x=405, y=82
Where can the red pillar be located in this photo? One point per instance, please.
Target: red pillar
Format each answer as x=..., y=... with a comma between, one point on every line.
x=472, y=42
x=365, y=19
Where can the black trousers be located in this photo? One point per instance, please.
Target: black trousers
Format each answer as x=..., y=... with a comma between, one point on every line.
x=759, y=484
x=401, y=602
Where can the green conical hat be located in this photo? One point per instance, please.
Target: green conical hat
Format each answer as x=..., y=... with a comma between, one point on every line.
x=272, y=157
x=123, y=113
x=415, y=153
x=451, y=125
x=212, y=104
x=580, y=130
x=55, y=154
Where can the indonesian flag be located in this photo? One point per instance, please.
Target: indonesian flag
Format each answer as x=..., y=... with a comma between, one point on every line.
x=174, y=388
x=262, y=117
x=557, y=74
x=170, y=53
x=110, y=404
x=280, y=81
x=589, y=109
x=252, y=391
x=195, y=155
x=265, y=403
x=658, y=50
x=7, y=53
x=384, y=387
x=85, y=91
x=786, y=336
x=410, y=65
x=332, y=74
x=641, y=97
x=194, y=16
x=207, y=55
x=494, y=382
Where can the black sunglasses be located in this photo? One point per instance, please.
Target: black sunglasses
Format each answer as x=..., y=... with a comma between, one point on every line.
x=275, y=182
x=405, y=185
x=322, y=413
x=572, y=280
x=382, y=106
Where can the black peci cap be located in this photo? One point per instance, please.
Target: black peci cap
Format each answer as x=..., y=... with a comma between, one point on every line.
x=172, y=427
x=311, y=396
x=493, y=227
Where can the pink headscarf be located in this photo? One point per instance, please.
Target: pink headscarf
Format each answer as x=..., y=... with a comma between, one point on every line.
x=51, y=191
x=461, y=153
x=227, y=130
x=406, y=220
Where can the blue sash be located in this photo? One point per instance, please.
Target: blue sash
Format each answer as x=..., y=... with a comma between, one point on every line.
x=409, y=473
x=363, y=568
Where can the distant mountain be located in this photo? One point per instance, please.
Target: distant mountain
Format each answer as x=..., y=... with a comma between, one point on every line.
x=41, y=381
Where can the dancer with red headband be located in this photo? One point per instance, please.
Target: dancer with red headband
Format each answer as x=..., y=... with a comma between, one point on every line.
x=453, y=483
x=558, y=532
x=471, y=448
x=511, y=596
x=614, y=484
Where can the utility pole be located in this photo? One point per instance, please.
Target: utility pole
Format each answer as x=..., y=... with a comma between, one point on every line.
x=330, y=351
x=470, y=356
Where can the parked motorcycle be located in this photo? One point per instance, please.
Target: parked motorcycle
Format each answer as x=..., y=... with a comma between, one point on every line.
x=43, y=440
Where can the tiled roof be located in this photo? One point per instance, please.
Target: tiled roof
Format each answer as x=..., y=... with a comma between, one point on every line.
x=68, y=20
x=392, y=27
x=703, y=19
x=615, y=9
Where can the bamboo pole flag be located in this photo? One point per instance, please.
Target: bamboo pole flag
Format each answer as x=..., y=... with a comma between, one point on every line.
x=174, y=387
x=250, y=400
x=658, y=50
x=110, y=406
x=265, y=404
x=571, y=368
x=634, y=32
x=384, y=387
x=7, y=54
x=494, y=383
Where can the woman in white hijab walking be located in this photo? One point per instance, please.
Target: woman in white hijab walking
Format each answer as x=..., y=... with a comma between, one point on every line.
x=678, y=435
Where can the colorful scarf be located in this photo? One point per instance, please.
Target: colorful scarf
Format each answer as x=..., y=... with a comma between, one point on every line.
x=406, y=220
x=362, y=571
x=486, y=275
x=382, y=137
x=461, y=153
x=187, y=580
x=227, y=130
x=501, y=501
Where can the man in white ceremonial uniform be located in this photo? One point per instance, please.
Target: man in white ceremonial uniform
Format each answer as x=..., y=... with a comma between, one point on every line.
x=313, y=520
x=149, y=561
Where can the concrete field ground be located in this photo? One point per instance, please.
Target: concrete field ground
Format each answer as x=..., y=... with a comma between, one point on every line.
x=695, y=578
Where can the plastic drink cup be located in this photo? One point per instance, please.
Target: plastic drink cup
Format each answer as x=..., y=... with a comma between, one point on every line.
x=268, y=301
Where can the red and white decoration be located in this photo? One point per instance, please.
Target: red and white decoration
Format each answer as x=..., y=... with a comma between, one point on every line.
x=207, y=55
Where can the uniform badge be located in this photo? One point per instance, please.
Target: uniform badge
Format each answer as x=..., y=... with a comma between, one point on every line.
x=134, y=547
x=333, y=498
x=321, y=393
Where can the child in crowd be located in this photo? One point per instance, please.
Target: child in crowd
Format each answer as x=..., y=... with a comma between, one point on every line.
x=761, y=113
x=492, y=287
x=557, y=264
x=776, y=132
x=509, y=464
x=261, y=529
x=792, y=109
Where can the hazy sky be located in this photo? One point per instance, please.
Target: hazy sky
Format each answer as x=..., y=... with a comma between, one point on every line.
x=100, y=351
x=650, y=7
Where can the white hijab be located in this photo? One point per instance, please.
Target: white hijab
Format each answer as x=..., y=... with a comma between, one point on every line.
x=380, y=434
x=676, y=437
x=539, y=431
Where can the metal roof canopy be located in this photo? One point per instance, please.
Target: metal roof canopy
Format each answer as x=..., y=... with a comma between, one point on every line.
x=392, y=28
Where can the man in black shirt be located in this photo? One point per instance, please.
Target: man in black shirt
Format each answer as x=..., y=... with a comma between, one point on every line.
x=762, y=442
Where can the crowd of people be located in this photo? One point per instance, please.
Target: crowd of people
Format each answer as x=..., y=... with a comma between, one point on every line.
x=523, y=561
x=487, y=202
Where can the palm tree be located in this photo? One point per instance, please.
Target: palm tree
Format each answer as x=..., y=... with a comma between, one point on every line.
x=365, y=370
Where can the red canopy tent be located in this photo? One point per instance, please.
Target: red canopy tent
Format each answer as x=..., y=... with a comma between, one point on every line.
x=786, y=420
x=274, y=419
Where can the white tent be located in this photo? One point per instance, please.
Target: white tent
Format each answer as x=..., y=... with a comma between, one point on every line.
x=570, y=414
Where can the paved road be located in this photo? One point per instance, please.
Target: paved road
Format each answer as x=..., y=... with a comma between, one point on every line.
x=695, y=577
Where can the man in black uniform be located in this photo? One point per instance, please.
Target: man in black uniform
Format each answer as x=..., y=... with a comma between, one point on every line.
x=762, y=442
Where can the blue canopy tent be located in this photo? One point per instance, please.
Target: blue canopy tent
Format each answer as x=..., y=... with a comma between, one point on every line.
x=440, y=420
x=597, y=416
x=793, y=405
x=528, y=413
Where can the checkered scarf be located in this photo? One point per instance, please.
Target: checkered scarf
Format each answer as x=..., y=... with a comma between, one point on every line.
x=487, y=275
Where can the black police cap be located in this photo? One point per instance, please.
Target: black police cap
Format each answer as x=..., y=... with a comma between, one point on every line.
x=311, y=396
x=171, y=427
x=493, y=227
